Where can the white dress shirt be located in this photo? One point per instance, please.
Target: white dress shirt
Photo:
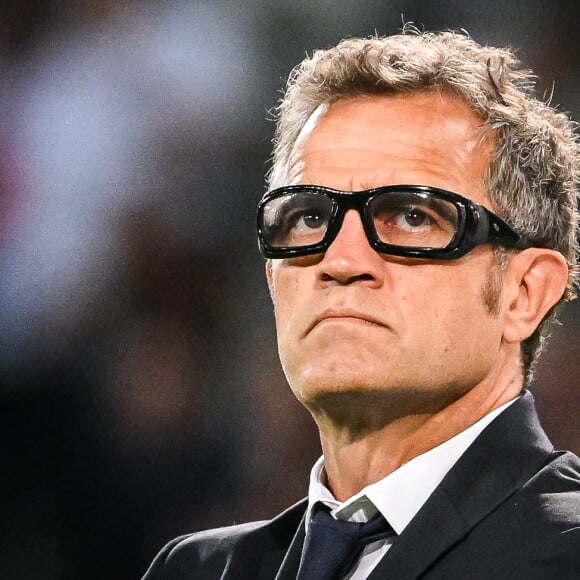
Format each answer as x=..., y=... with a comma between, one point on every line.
x=399, y=496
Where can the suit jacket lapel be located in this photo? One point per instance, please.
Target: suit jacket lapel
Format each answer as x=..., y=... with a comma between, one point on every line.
x=281, y=543
x=291, y=563
x=500, y=461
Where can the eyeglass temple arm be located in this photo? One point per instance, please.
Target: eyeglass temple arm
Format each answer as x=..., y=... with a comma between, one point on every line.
x=499, y=231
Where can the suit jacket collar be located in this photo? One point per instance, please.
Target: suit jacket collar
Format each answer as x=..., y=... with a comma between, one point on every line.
x=506, y=454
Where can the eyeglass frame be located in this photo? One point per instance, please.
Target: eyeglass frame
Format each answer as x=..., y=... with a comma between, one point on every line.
x=476, y=225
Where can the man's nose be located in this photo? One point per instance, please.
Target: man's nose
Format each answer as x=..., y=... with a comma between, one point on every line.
x=350, y=259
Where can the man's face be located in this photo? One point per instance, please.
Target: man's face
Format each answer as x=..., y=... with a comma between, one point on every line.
x=353, y=320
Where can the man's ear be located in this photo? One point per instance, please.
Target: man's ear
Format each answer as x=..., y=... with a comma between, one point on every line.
x=534, y=281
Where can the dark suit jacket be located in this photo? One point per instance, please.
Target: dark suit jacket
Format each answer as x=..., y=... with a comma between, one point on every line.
x=508, y=509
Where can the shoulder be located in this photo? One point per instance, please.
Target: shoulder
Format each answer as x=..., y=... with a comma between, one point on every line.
x=200, y=549
x=533, y=532
x=549, y=501
x=207, y=553
x=557, y=485
x=207, y=541
x=542, y=521
x=552, y=498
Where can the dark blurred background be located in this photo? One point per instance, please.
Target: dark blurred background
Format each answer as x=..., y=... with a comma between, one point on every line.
x=141, y=396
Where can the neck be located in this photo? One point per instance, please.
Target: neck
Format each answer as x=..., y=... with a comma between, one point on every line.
x=367, y=435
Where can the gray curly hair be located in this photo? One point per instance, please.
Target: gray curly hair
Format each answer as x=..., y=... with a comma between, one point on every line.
x=533, y=178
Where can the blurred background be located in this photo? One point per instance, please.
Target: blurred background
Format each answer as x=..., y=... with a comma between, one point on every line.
x=140, y=392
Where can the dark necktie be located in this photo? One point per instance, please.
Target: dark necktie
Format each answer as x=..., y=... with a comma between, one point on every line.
x=332, y=546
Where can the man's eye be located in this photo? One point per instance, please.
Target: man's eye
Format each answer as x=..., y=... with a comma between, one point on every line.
x=413, y=218
x=307, y=219
x=301, y=226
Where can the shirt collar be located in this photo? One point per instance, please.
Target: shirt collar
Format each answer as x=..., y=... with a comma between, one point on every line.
x=401, y=494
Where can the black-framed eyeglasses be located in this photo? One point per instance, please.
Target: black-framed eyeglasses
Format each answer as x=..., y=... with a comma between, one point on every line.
x=416, y=221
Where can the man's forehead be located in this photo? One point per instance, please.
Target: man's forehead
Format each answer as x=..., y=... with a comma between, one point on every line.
x=294, y=165
x=424, y=126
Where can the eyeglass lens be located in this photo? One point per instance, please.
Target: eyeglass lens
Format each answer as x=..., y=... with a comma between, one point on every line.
x=409, y=219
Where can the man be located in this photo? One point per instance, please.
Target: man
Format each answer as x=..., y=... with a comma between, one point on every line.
x=420, y=228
